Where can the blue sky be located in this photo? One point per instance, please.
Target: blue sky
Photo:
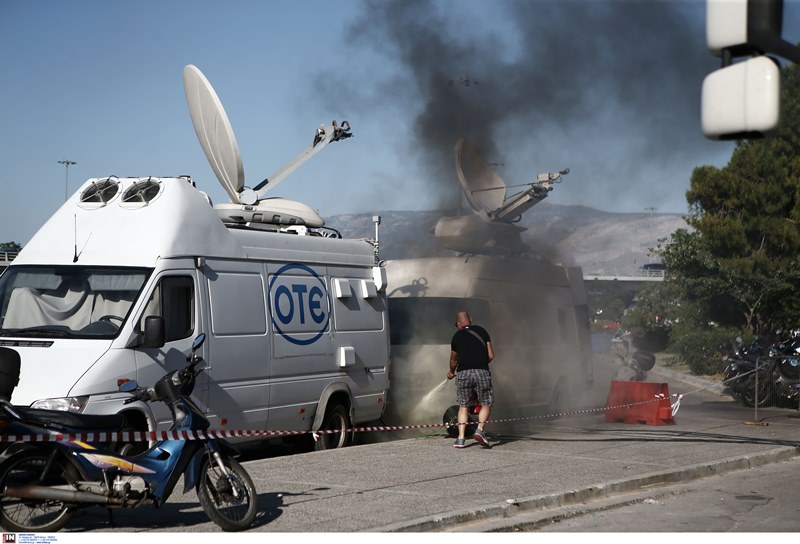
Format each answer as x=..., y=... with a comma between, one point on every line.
x=100, y=83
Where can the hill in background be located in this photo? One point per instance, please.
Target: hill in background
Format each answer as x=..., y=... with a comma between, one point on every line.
x=576, y=235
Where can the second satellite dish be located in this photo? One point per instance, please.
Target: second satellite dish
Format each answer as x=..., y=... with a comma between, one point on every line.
x=486, y=192
x=219, y=145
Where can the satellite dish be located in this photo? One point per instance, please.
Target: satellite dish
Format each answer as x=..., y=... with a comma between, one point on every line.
x=248, y=205
x=484, y=189
x=214, y=131
x=486, y=192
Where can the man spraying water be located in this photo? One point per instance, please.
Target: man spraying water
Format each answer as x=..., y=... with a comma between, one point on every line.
x=470, y=355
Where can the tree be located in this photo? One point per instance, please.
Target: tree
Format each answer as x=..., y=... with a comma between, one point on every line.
x=741, y=264
x=10, y=246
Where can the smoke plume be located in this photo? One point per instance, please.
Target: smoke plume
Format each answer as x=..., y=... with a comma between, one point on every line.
x=608, y=88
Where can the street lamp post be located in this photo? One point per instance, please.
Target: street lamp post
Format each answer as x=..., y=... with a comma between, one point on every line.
x=67, y=164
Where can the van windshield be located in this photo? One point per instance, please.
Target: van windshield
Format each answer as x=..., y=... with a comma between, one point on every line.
x=67, y=301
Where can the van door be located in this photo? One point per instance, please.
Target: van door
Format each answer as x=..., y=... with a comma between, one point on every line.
x=238, y=346
x=174, y=297
x=303, y=362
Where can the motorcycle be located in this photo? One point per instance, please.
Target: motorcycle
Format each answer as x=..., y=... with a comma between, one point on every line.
x=42, y=485
x=635, y=367
x=784, y=374
x=740, y=366
x=757, y=375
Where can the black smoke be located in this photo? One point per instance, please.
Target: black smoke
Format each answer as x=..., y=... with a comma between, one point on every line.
x=610, y=88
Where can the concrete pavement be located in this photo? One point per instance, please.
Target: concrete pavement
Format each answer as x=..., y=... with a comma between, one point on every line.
x=540, y=465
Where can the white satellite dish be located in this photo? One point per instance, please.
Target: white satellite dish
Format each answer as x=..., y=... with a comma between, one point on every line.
x=484, y=189
x=486, y=192
x=214, y=131
x=219, y=144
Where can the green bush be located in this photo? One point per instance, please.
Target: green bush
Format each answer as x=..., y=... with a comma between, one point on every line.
x=699, y=348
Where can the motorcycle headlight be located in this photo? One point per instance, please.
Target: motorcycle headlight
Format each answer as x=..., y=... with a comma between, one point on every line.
x=66, y=404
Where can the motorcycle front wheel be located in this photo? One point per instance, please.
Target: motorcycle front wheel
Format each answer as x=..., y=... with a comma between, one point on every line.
x=228, y=500
x=34, y=515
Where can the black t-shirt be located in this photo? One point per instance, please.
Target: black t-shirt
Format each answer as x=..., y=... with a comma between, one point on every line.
x=472, y=352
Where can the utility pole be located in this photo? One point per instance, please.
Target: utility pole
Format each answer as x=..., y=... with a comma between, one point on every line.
x=67, y=164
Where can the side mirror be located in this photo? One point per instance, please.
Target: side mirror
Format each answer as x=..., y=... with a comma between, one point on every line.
x=198, y=341
x=742, y=100
x=154, y=331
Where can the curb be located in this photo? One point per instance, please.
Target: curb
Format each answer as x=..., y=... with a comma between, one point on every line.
x=695, y=381
x=449, y=521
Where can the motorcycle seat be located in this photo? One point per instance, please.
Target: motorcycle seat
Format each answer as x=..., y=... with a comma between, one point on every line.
x=68, y=421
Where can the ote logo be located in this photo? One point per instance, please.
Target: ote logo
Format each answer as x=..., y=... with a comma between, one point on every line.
x=299, y=302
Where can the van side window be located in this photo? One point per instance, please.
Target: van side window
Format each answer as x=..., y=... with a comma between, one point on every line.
x=428, y=320
x=173, y=299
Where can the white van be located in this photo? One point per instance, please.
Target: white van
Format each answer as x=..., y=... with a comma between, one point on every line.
x=116, y=285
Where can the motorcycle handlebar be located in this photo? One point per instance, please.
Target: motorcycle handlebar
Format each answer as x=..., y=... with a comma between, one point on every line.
x=142, y=395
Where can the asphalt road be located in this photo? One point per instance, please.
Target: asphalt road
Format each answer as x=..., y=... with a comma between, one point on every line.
x=760, y=500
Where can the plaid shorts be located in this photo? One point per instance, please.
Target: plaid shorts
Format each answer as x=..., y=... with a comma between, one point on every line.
x=480, y=380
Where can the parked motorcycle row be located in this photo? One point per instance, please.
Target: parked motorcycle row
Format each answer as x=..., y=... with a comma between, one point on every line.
x=764, y=375
x=43, y=484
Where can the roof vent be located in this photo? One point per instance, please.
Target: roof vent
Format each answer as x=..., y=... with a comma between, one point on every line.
x=141, y=193
x=99, y=193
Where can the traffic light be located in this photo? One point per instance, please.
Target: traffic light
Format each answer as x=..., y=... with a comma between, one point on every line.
x=742, y=99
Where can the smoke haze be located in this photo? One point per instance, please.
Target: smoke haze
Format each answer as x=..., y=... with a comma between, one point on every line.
x=610, y=89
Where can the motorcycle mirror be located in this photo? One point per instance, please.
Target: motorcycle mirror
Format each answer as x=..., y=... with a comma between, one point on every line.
x=129, y=386
x=198, y=341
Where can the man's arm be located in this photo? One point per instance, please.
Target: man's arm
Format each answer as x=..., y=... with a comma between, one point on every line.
x=490, y=350
x=453, y=365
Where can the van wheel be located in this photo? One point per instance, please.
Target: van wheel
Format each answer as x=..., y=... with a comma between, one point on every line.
x=336, y=419
x=132, y=447
x=560, y=401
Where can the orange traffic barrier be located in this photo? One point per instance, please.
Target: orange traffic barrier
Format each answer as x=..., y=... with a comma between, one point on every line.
x=639, y=402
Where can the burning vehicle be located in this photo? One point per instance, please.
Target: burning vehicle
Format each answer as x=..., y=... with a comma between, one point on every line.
x=535, y=309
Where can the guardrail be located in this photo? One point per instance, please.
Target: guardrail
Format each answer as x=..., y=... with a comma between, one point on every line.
x=624, y=274
x=6, y=257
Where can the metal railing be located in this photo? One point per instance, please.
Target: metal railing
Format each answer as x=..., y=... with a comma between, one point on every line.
x=628, y=273
x=6, y=257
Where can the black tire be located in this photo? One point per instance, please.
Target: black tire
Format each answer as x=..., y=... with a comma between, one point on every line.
x=34, y=515
x=765, y=395
x=336, y=419
x=130, y=448
x=215, y=491
x=451, y=418
x=560, y=401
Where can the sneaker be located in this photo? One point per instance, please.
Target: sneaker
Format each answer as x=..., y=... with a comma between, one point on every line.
x=481, y=438
x=459, y=443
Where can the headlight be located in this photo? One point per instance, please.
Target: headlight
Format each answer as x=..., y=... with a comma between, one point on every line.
x=67, y=404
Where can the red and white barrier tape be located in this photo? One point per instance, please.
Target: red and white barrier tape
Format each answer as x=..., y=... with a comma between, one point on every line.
x=139, y=436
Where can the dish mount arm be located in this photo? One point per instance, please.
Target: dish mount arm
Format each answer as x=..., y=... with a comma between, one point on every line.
x=323, y=136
